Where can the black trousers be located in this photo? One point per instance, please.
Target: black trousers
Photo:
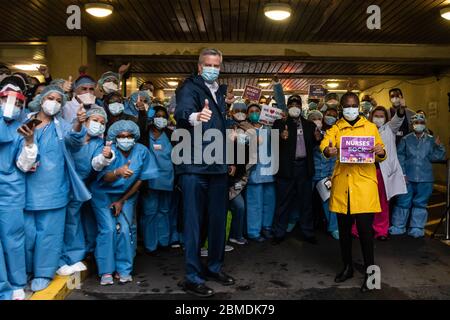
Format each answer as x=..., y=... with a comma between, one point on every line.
x=294, y=193
x=365, y=230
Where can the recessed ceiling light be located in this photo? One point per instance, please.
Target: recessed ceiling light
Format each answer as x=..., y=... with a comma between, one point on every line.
x=445, y=13
x=264, y=83
x=99, y=10
x=172, y=83
x=27, y=67
x=332, y=85
x=277, y=11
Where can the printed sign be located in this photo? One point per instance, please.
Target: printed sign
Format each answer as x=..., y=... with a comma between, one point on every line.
x=317, y=91
x=356, y=150
x=252, y=93
x=269, y=114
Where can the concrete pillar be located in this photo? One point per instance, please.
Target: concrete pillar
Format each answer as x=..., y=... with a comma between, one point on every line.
x=66, y=54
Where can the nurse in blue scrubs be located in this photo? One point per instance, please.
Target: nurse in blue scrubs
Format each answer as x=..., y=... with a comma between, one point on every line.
x=49, y=187
x=81, y=227
x=18, y=154
x=158, y=198
x=114, y=195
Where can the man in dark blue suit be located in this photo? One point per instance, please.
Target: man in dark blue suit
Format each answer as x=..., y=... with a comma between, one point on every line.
x=201, y=106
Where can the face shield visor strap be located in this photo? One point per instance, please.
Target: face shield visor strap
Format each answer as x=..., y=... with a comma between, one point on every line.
x=12, y=98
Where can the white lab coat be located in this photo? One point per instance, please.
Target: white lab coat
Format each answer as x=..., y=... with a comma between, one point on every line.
x=394, y=181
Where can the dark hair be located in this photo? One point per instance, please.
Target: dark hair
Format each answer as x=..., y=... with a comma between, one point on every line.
x=15, y=80
x=348, y=95
x=380, y=108
x=253, y=105
x=294, y=98
x=158, y=108
x=143, y=84
x=396, y=90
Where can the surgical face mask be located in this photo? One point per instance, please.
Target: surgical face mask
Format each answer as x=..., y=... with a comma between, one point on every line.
x=395, y=101
x=329, y=120
x=51, y=107
x=350, y=113
x=253, y=117
x=366, y=107
x=125, y=144
x=15, y=113
x=87, y=98
x=294, y=112
x=379, y=121
x=419, y=128
x=210, y=74
x=116, y=108
x=110, y=87
x=160, y=122
x=318, y=124
x=239, y=116
x=95, y=129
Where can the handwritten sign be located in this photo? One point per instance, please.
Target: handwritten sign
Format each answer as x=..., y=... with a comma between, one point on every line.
x=252, y=93
x=269, y=114
x=317, y=91
x=357, y=150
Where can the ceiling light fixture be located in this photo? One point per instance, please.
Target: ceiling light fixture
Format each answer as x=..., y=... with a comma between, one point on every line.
x=99, y=10
x=27, y=67
x=445, y=13
x=277, y=11
x=332, y=85
x=172, y=83
x=264, y=83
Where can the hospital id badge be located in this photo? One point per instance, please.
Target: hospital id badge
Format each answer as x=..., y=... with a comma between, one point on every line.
x=327, y=184
x=299, y=132
x=157, y=147
x=400, y=133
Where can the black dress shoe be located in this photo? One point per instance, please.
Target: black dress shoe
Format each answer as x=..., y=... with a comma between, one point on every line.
x=277, y=240
x=345, y=274
x=364, y=287
x=382, y=238
x=197, y=289
x=220, y=277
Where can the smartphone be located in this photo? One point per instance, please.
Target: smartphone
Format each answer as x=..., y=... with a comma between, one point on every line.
x=30, y=123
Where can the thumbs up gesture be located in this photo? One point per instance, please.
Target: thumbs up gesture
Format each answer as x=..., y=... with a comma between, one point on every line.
x=125, y=171
x=107, y=153
x=140, y=105
x=81, y=114
x=285, y=133
x=330, y=151
x=205, y=115
x=67, y=85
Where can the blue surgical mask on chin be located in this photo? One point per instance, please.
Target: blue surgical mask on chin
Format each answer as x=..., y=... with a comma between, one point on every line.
x=125, y=144
x=210, y=74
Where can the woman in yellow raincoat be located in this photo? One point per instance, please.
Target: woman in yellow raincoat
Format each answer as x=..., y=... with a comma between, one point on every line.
x=354, y=191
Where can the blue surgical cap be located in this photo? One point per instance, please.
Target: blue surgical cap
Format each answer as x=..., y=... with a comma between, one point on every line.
x=239, y=106
x=108, y=75
x=53, y=89
x=418, y=117
x=134, y=96
x=35, y=104
x=316, y=113
x=97, y=110
x=83, y=80
x=121, y=126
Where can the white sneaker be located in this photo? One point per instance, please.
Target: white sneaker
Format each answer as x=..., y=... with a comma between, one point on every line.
x=65, y=270
x=79, y=267
x=229, y=248
x=18, y=294
x=125, y=279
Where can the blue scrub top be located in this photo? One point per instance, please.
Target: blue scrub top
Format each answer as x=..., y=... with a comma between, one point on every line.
x=83, y=157
x=12, y=179
x=142, y=163
x=257, y=174
x=49, y=186
x=161, y=149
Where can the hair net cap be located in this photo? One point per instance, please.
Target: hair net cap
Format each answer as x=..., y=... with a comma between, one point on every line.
x=316, y=113
x=53, y=89
x=107, y=75
x=134, y=96
x=239, y=106
x=418, y=117
x=98, y=111
x=121, y=126
x=84, y=80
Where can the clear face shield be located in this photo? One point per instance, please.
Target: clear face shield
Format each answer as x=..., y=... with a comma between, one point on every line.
x=11, y=103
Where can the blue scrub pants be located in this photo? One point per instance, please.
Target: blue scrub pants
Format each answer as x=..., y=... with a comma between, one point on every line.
x=155, y=219
x=116, y=247
x=89, y=226
x=174, y=218
x=205, y=196
x=44, y=239
x=260, y=208
x=5, y=288
x=74, y=249
x=237, y=207
x=414, y=202
x=12, y=238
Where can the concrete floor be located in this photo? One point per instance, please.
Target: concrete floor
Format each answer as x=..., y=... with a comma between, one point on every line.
x=410, y=269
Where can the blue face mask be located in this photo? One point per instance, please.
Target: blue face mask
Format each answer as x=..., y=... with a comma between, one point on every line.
x=15, y=115
x=253, y=117
x=329, y=120
x=95, y=129
x=116, y=108
x=125, y=144
x=210, y=74
x=160, y=123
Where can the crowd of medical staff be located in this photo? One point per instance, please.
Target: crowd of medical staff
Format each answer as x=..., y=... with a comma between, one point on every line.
x=82, y=168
